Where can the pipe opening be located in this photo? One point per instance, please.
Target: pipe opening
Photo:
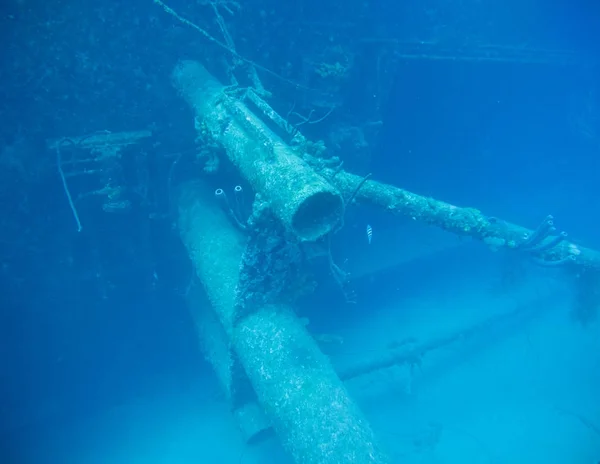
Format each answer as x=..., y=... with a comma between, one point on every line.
x=317, y=215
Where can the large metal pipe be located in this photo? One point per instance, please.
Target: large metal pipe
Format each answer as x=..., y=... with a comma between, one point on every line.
x=302, y=199
x=461, y=221
x=307, y=403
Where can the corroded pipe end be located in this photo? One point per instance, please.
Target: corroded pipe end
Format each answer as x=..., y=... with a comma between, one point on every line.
x=222, y=199
x=316, y=214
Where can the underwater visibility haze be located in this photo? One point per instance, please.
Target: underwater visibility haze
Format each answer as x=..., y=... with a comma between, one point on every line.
x=312, y=232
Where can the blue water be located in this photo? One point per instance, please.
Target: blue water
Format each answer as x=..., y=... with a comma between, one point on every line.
x=99, y=356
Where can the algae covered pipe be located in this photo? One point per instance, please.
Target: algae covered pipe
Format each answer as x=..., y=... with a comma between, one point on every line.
x=295, y=384
x=413, y=355
x=460, y=221
x=302, y=199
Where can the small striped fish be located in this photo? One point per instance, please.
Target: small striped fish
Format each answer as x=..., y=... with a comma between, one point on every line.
x=369, y=233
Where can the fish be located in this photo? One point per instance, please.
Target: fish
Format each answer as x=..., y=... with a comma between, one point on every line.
x=369, y=233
